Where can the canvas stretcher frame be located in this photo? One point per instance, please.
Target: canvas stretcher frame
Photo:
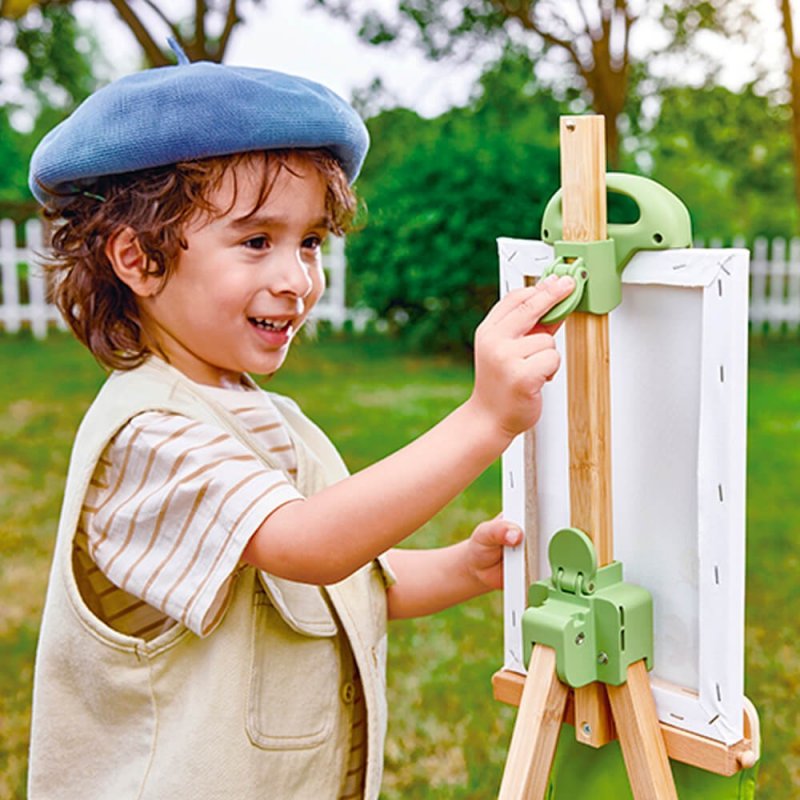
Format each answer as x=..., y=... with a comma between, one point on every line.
x=678, y=407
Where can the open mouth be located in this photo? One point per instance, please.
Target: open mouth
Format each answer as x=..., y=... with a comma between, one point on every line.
x=270, y=324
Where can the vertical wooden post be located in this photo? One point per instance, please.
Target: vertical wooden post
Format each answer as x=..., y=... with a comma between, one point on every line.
x=583, y=198
x=583, y=203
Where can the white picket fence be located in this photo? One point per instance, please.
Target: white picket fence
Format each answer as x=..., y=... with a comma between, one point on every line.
x=23, y=290
x=774, y=285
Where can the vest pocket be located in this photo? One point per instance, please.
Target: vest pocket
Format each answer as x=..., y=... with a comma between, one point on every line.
x=294, y=683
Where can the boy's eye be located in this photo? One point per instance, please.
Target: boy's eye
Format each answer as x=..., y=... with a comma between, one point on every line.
x=257, y=243
x=312, y=242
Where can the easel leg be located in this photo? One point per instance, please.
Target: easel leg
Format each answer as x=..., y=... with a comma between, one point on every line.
x=593, y=723
x=533, y=743
x=643, y=749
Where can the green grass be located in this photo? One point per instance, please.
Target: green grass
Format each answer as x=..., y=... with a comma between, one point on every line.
x=447, y=738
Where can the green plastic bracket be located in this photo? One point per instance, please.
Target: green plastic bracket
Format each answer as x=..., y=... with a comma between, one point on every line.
x=663, y=223
x=597, y=624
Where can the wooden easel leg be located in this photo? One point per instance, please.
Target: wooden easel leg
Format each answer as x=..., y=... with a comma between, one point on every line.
x=593, y=723
x=643, y=749
x=539, y=719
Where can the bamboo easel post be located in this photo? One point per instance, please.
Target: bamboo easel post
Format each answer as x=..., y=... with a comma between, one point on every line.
x=583, y=204
x=640, y=738
x=539, y=720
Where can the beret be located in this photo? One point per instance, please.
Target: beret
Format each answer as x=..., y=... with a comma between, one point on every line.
x=190, y=111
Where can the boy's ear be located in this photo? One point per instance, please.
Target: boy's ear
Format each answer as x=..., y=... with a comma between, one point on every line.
x=130, y=264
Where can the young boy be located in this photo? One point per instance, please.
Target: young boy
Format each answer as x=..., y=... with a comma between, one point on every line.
x=215, y=619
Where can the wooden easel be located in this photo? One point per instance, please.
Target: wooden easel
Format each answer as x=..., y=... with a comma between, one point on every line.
x=599, y=712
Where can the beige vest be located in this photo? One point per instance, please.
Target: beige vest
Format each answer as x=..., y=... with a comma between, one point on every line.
x=258, y=709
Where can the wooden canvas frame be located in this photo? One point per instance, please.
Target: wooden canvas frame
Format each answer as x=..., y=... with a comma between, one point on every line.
x=678, y=385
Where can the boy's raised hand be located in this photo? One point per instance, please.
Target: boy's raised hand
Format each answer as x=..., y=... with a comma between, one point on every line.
x=515, y=355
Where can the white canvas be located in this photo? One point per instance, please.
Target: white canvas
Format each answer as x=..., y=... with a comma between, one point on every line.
x=678, y=345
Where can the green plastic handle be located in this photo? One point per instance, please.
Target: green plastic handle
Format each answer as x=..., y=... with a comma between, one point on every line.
x=663, y=223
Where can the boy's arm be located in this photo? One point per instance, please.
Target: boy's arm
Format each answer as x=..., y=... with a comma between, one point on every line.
x=326, y=537
x=432, y=580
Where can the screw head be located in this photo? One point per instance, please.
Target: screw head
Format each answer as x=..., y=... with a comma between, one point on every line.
x=602, y=658
x=586, y=729
x=580, y=639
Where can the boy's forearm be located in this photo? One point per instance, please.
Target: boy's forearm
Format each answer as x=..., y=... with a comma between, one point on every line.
x=430, y=580
x=326, y=537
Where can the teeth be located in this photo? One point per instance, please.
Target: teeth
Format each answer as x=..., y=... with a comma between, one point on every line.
x=270, y=325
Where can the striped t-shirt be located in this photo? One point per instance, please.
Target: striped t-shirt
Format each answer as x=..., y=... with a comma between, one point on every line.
x=171, y=506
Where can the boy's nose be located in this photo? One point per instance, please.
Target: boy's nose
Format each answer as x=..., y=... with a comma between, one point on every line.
x=293, y=276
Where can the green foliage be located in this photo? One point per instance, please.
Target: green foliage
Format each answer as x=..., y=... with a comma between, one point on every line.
x=58, y=52
x=15, y=151
x=729, y=157
x=59, y=56
x=439, y=193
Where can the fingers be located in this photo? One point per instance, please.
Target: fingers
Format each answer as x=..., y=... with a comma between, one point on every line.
x=542, y=359
x=534, y=343
x=497, y=532
x=520, y=311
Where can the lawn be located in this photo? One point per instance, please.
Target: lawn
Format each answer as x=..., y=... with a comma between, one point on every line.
x=447, y=737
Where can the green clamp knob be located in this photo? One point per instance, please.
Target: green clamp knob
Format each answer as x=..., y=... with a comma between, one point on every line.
x=663, y=223
x=577, y=271
x=597, y=624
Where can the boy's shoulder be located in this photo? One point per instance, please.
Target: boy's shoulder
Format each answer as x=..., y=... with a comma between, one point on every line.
x=153, y=385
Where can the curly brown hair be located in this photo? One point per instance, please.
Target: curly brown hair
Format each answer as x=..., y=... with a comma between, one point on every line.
x=157, y=204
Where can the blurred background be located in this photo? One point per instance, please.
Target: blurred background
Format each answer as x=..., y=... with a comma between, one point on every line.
x=462, y=99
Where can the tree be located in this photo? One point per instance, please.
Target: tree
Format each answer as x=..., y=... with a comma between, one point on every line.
x=793, y=81
x=439, y=193
x=203, y=36
x=57, y=75
x=590, y=43
x=743, y=21
x=727, y=155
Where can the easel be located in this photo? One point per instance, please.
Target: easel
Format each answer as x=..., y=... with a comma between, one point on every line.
x=600, y=712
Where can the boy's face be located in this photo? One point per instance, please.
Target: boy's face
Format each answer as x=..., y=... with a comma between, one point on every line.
x=247, y=282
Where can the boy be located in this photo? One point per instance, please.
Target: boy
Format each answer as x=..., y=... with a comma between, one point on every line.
x=215, y=619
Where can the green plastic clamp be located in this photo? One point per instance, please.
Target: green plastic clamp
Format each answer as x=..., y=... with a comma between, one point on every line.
x=597, y=624
x=663, y=223
x=576, y=269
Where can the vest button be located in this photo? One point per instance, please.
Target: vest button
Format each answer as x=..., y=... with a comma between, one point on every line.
x=348, y=692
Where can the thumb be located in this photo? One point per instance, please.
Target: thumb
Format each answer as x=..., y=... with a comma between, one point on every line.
x=498, y=532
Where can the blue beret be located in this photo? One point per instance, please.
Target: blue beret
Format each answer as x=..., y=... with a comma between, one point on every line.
x=191, y=111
